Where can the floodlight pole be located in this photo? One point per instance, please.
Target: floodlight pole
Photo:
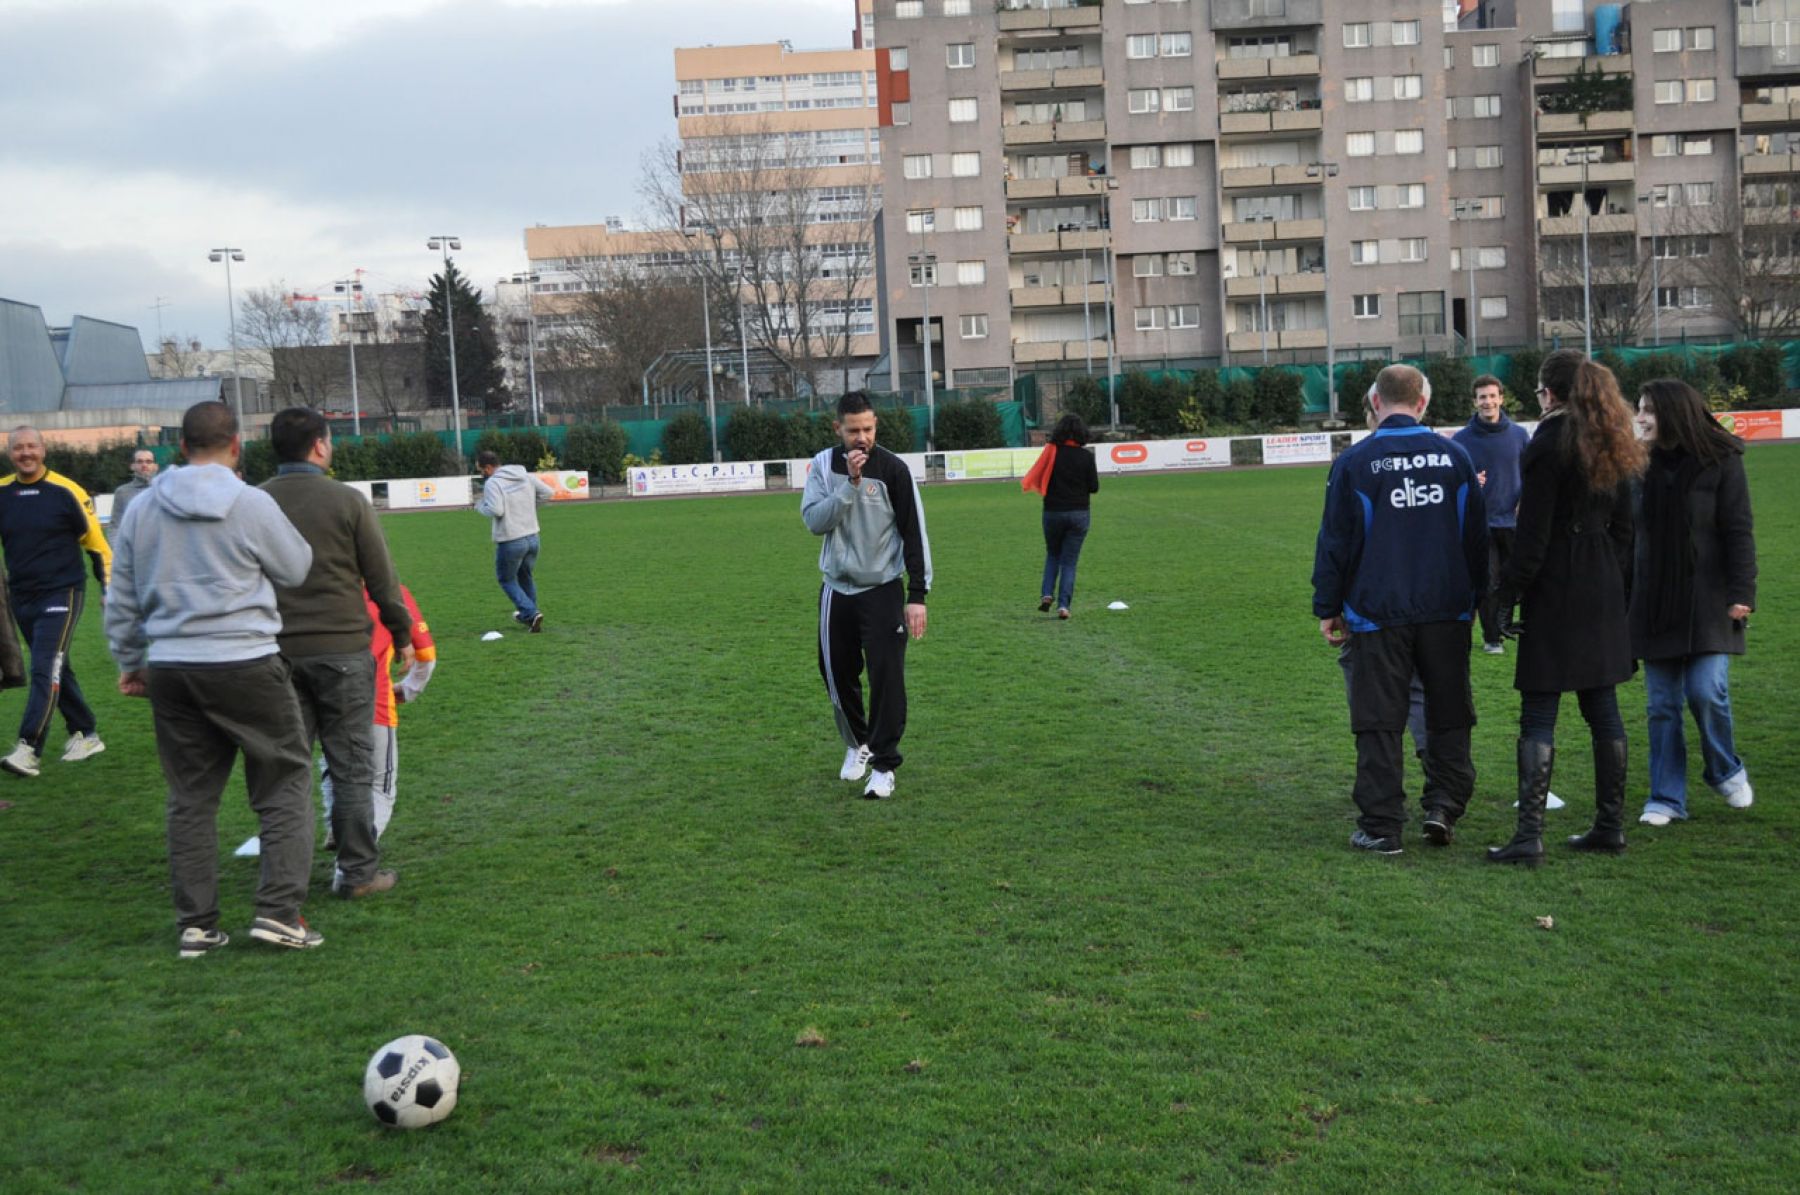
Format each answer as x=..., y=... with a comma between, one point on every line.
x=529, y=280
x=237, y=377
x=351, y=290
x=447, y=243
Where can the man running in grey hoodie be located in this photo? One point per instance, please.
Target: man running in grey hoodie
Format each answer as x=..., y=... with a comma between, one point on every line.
x=510, y=496
x=191, y=619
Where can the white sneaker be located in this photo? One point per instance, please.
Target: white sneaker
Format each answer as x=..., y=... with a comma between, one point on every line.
x=1737, y=791
x=856, y=762
x=23, y=761
x=880, y=787
x=82, y=746
x=1651, y=818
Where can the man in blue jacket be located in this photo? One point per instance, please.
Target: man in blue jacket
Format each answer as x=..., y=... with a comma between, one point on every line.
x=1400, y=564
x=1495, y=444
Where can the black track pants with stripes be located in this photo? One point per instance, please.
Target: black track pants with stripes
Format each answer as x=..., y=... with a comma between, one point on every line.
x=47, y=625
x=854, y=630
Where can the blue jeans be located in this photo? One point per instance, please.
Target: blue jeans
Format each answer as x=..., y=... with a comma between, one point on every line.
x=1704, y=681
x=1064, y=532
x=513, y=561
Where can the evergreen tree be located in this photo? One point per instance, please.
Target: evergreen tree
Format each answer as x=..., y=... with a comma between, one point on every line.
x=479, y=378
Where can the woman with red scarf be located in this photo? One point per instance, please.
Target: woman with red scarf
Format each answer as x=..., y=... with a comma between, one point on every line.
x=1065, y=475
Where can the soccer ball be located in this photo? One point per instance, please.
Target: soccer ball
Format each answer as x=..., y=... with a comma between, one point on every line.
x=411, y=1082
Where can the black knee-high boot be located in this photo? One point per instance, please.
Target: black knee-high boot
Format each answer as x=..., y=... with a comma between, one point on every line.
x=1536, y=760
x=1608, y=831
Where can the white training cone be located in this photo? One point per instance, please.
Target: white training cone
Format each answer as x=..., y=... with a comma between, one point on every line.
x=490, y=636
x=251, y=848
x=1117, y=606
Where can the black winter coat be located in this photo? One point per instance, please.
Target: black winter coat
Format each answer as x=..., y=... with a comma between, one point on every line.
x=1718, y=510
x=1569, y=570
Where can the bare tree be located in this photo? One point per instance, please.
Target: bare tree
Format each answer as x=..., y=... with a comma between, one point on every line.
x=769, y=216
x=269, y=319
x=602, y=340
x=1751, y=264
x=1613, y=290
x=180, y=356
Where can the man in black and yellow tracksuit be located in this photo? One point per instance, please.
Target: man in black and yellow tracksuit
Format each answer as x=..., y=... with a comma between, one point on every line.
x=51, y=538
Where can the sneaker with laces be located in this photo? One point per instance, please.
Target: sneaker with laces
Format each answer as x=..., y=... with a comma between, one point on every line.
x=1652, y=818
x=537, y=623
x=384, y=881
x=298, y=936
x=1364, y=841
x=1494, y=649
x=196, y=941
x=23, y=760
x=1737, y=791
x=856, y=763
x=880, y=786
x=82, y=746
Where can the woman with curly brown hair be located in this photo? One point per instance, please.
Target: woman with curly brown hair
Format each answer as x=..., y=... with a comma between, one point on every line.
x=1570, y=568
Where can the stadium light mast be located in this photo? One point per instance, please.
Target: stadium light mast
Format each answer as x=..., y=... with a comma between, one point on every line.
x=1323, y=171
x=712, y=419
x=237, y=377
x=444, y=244
x=926, y=264
x=1648, y=203
x=528, y=280
x=351, y=289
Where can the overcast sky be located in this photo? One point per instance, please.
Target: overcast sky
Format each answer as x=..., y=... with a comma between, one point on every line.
x=322, y=136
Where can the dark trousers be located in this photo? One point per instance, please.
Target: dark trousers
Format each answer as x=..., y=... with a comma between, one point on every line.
x=47, y=625
x=1599, y=707
x=337, y=706
x=1382, y=666
x=866, y=627
x=1064, y=533
x=204, y=718
x=1495, y=621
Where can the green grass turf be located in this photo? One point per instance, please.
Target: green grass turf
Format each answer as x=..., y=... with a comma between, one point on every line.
x=1108, y=936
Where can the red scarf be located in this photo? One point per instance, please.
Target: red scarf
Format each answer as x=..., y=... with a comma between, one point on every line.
x=1037, y=478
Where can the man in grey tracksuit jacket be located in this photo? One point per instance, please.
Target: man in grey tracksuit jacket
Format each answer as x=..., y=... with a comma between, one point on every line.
x=192, y=621
x=863, y=500
x=510, y=496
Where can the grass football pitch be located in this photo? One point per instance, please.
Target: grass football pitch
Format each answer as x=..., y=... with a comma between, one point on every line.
x=1108, y=935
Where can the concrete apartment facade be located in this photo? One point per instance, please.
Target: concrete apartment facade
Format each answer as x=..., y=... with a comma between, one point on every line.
x=1288, y=179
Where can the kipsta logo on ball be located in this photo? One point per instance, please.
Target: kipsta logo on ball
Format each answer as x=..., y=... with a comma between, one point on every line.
x=411, y=1082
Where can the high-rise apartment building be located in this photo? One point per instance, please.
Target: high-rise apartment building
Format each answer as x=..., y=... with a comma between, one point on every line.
x=1287, y=179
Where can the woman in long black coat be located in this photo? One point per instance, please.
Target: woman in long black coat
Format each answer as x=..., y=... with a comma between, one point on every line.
x=1569, y=570
x=1693, y=589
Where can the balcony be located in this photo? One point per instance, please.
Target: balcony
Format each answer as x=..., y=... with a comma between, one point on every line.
x=1259, y=14
x=1087, y=238
x=1248, y=232
x=1081, y=184
x=1294, y=65
x=1039, y=350
x=1028, y=134
x=1095, y=294
x=1250, y=342
x=1560, y=68
x=1760, y=114
x=1250, y=287
x=1264, y=68
x=1304, y=338
x=1772, y=215
x=1033, y=242
x=1298, y=120
x=1025, y=80
x=1031, y=188
x=1597, y=172
x=1037, y=296
x=1235, y=177
x=1061, y=132
x=1771, y=164
x=1075, y=18
x=1551, y=123
x=1072, y=77
x=1570, y=226
x=1302, y=120
x=1756, y=61
x=1300, y=284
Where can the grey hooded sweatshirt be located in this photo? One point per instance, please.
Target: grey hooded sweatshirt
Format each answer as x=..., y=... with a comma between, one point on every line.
x=510, y=497
x=195, y=565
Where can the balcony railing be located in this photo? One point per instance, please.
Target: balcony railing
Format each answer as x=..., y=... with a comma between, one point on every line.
x=1253, y=14
x=1294, y=65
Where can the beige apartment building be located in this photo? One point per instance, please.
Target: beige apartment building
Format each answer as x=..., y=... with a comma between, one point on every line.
x=1285, y=180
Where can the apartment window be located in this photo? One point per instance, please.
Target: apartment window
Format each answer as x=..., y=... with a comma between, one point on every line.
x=1140, y=45
x=1177, y=45
x=1486, y=207
x=1409, y=141
x=1665, y=41
x=908, y=10
x=960, y=55
x=1185, y=315
x=1180, y=207
x=1356, y=34
x=1146, y=211
x=1697, y=194
x=1406, y=33
x=1700, y=37
x=903, y=114
x=1359, y=91
x=1449, y=58
x=1181, y=264
x=1180, y=154
x=916, y=165
x=1493, y=307
x=1178, y=99
x=1696, y=145
x=1702, y=91
x=1475, y=157
x=1365, y=253
x=1145, y=99
x=966, y=165
x=1362, y=199
x=1412, y=249
x=1146, y=157
x=1422, y=313
x=1484, y=106
x=1668, y=91
x=1359, y=145
x=1409, y=195
x=1147, y=265
x=897, y=59
x=1365, y=306
x=1484, y=55
x=1490, y=257
x=1566, y=16
x=922, y=275
x=921, y=220
x=966, y=219
x=963, y=111
x=974, y=327
x=1665, y=145
x=971, y=273
x=1147, y=319
x=1408, y=87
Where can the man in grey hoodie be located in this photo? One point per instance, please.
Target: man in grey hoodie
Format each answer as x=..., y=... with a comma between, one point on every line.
x=191, y=619
x=510, y=496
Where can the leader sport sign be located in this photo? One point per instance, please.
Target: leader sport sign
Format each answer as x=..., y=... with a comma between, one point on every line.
x=651, y=481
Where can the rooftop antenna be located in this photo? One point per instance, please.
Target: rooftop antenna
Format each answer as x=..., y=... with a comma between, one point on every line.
x=160, y=303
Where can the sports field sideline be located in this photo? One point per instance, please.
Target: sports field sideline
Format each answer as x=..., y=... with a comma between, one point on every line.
x=1108, y=935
